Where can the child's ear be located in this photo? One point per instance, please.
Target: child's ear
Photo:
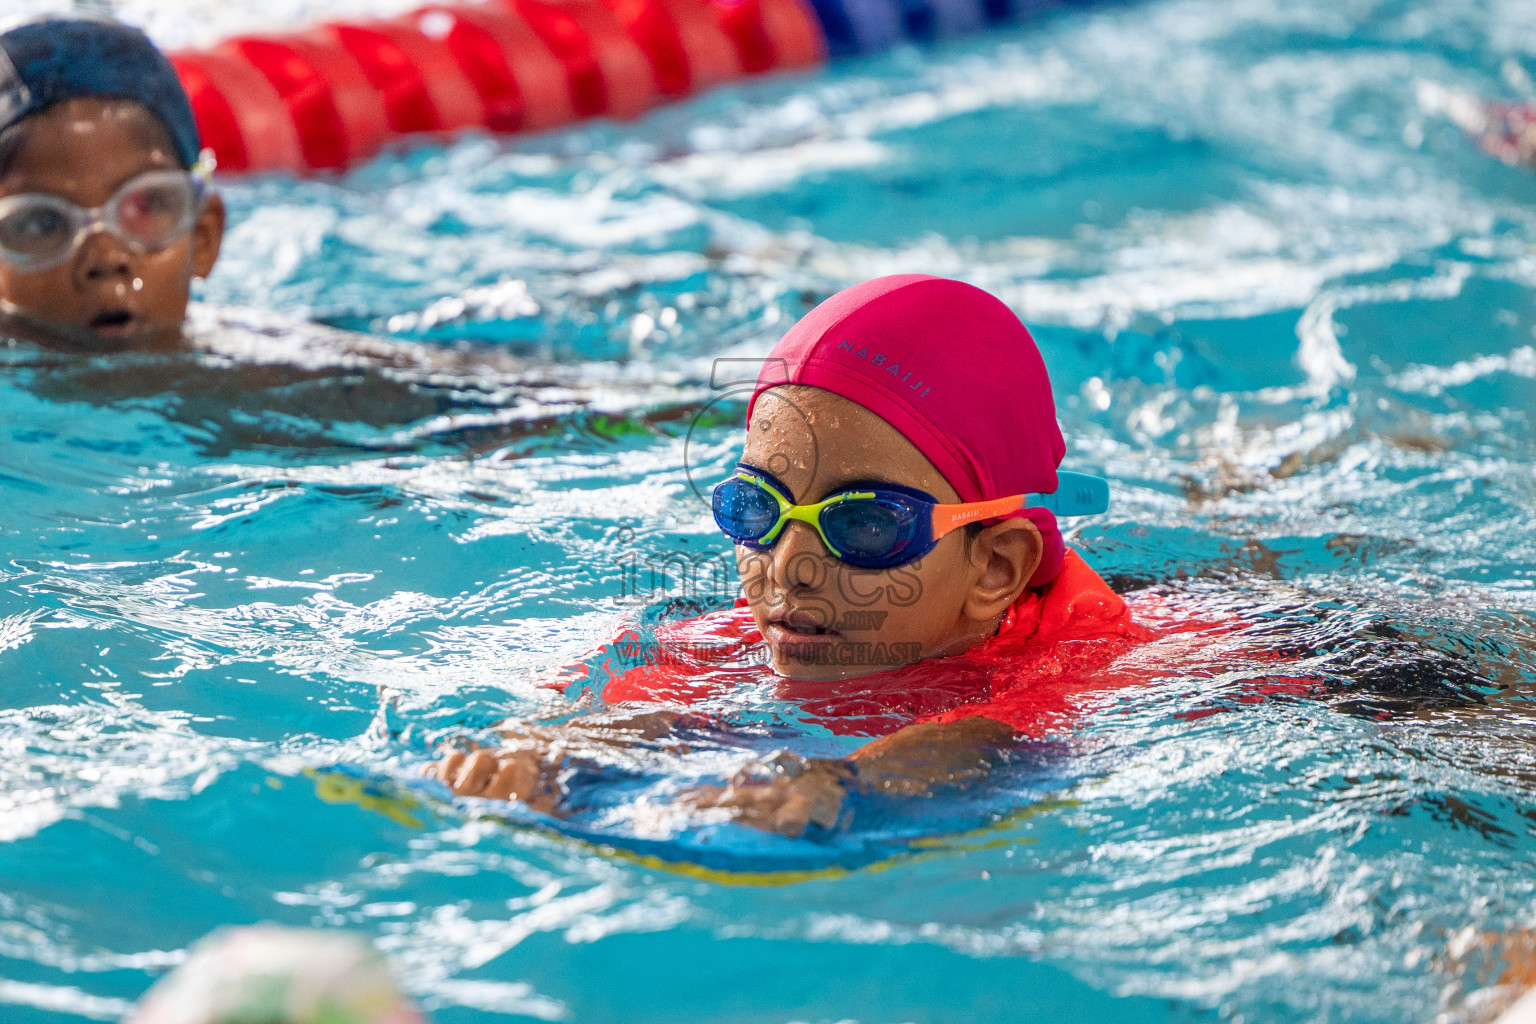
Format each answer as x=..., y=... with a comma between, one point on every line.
x=208, y=235
x=1007, y=554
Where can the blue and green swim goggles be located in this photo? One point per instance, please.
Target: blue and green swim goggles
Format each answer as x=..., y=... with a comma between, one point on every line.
x=878, y=525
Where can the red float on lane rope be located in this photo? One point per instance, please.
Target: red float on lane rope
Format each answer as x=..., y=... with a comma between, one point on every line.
x=239, y=115
x=339, y=116
x=422, y=85
x=521, y=84
x=607, y=72
x=771, y=35
x=712, y=56
x=793, y=31
x=328, y=98
x=685, y=45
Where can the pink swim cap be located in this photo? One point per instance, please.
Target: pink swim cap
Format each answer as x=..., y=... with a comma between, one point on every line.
x=953, y=370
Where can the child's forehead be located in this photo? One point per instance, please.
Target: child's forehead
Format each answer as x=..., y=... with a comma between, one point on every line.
x=82, y=145
x=806, y=417
x=107, y=118
x=815, y=440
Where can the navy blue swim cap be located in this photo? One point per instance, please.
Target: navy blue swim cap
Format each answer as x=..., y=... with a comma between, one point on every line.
x=52, y=59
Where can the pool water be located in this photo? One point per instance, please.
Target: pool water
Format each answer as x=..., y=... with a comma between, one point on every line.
x=442, y=439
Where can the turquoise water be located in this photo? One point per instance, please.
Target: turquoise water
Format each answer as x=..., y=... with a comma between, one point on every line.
x=1288, y=309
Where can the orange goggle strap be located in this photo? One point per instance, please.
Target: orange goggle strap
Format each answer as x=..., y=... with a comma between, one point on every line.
x=951, y=517
x=1076, y=494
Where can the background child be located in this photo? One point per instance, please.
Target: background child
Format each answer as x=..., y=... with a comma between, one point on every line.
x=889, y=564
x=105, y=214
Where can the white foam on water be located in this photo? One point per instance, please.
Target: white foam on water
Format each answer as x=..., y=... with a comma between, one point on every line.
x=62, y=999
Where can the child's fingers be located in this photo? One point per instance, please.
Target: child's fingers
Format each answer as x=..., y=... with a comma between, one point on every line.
x=825, y=806
x=523, y=775
x=701, y=797
x=447, y=768
x=476, y=770
x=787, y=820
x=510, y=782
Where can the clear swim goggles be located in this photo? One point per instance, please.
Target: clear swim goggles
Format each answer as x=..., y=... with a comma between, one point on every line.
x=878, y=525
x=39, y=231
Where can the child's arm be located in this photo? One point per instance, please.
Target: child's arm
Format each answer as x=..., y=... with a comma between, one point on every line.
x=788, y=793
x=912, y=760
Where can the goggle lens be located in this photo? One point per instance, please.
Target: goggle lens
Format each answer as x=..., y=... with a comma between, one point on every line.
x=156, y=212
x=743, y=511
x=37, y=230
x=872, y=533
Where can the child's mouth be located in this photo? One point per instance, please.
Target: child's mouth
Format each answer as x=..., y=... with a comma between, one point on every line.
x=800, y=626
x=112, y=323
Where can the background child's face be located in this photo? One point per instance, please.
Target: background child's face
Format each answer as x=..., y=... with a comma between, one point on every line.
x=825, y=619
x=105, y=294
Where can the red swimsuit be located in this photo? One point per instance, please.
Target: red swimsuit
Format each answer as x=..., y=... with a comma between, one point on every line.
x=1058, y=645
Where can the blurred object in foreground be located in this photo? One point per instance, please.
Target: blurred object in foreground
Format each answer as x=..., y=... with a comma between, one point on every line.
x=1503, y=129
x=1509, y=132
x=1495, y=976
x=1523, y=1012
x=271, y=975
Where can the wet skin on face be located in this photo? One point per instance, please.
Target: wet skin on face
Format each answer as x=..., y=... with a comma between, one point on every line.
x=105, y=296
x=822, y=618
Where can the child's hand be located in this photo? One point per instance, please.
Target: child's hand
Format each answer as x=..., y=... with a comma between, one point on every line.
x=769, y=797
x=527, y=765
x=520, y=773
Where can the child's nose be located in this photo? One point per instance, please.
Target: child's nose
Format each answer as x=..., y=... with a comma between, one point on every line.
x=103, y=256
x=799, y=558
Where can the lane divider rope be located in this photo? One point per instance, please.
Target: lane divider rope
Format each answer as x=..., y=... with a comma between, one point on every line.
x=329, y=97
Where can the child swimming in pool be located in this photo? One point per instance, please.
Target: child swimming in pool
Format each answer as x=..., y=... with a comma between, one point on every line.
x=901, y=568
x=105, y=212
